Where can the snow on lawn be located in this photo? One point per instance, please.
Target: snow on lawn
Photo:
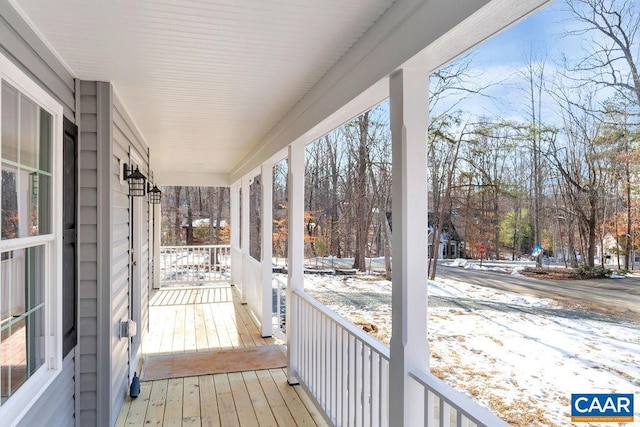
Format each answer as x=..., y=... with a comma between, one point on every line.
x=520, y=355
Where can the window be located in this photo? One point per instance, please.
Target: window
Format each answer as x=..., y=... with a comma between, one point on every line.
x=30, y=273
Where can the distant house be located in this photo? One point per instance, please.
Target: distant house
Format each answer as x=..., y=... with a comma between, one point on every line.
x=198, y=224
x=449, y=241
x=609, y=251
x=203, y=222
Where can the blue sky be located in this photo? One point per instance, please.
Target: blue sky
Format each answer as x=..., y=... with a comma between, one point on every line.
x=498, y=61
x=542, y=30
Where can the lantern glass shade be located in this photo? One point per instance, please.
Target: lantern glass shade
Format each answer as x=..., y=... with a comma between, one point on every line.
x=137, y=187
x=154, y=195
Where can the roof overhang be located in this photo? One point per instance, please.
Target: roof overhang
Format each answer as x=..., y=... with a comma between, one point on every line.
x=217, y=88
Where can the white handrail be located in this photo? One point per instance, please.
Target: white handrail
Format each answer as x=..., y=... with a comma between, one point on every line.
x=194, y=246
x=376, y=345
x=465, y=409
x=342, y=367
x=347, y=372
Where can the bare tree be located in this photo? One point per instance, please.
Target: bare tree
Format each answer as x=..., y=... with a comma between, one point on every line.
x=610, y=31
x=534, y=75
x=582, y=165
x=363, y=211
x=177, y=227
x=610, y=34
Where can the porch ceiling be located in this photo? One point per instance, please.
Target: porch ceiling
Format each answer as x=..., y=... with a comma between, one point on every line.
x=204, y=80
x=216, y=86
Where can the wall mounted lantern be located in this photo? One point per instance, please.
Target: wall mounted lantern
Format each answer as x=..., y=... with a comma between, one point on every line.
x=136, y=180
x=154, y=194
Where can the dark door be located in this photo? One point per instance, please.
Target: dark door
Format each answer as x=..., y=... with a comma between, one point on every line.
x=69, y=249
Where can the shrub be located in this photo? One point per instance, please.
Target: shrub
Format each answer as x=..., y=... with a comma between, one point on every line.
x=597, y=272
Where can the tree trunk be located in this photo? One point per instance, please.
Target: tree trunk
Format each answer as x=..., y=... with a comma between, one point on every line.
x=362, y=205
x=177, y=226
x=334, y=235
x=221, y=202
x=189, y=218
x=591, y=245
x=210, y=205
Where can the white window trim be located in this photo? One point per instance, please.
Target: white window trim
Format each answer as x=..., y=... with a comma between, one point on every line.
x=28, y=394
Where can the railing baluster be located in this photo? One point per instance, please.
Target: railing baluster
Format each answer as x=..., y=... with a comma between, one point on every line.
x=429, y=408
x=327, y=356
x=369, y=372
x=321, y=357
x=443, y=415
x=346, y=377
x=334, y=373
x=350, y=379
x=381, y=385
x=314, y=361
x=307, y=341
x=359, y=383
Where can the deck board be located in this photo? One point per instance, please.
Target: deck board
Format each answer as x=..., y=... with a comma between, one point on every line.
x=241, y=399
x=173, y=408
x=276, y=402
x=191, y=402
x=226, y=405
x=209, y=402
x=258, y=400
x=138, y=408
x=209, y=319
x=157, y=403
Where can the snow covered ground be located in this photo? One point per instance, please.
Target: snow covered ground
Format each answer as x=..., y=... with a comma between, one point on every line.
x=520, y=355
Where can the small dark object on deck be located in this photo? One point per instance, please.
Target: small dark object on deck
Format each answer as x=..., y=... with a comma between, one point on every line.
x=134, y=391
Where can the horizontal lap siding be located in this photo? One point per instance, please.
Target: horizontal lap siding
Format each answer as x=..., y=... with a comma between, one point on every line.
x=18, y=42
x=56, y=406
x=119, y=281
x=126, y=140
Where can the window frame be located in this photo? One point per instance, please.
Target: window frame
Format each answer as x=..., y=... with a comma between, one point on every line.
x=28, y=393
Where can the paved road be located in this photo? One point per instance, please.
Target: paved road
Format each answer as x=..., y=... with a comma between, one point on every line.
x=621, y=296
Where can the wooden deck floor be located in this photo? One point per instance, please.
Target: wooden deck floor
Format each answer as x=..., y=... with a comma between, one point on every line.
x=210, y=319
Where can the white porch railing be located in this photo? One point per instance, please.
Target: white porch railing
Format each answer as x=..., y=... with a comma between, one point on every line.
x=447, y=407
x=346, y=370
x=279, y=303
x=252, y=284
x=194, y=265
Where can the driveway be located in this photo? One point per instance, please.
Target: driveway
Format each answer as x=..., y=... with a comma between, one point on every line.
x=621, y=296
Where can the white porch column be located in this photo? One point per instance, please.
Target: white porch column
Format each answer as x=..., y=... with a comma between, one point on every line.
x=244, y=235
x=234, y=213
x=408, y=347
x=157, y=235
x=267, y=248
x=295, y=254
